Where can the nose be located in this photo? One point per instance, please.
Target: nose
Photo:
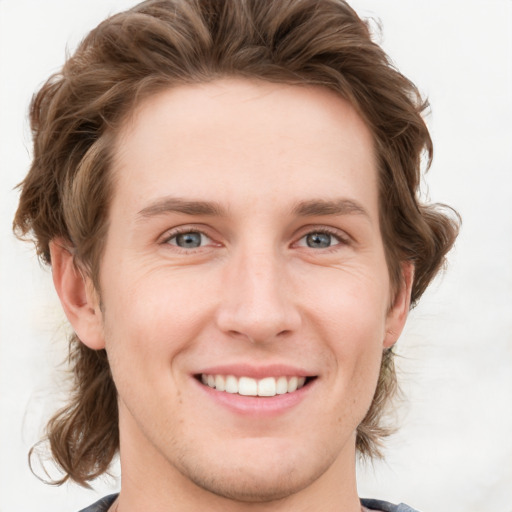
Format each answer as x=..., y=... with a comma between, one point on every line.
x=257, y=302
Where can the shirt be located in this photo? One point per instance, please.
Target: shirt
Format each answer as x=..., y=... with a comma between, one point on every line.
x=377, y=505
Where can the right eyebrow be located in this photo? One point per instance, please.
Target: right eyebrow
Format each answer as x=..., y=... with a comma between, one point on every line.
x=175, y=204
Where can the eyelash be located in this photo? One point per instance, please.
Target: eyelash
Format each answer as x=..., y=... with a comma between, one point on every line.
x=342, y=240
x=182, y=231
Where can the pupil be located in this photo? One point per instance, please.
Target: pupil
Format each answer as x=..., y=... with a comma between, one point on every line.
x=318, y=240
x=188, y=240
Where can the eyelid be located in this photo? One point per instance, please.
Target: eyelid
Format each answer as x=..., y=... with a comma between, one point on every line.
x=340, y=235
x=188, y=228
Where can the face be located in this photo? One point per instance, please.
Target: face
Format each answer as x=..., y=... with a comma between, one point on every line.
x=245, y=294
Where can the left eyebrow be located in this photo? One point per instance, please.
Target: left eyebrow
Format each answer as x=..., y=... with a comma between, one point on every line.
x=319, y=207
x=178, y=205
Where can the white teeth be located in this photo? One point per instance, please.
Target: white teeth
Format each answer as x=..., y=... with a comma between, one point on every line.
x=247, y=386
x=220, y=383
x=282, y=386
x=267, y=387
x=292, y=384
x=231, y=384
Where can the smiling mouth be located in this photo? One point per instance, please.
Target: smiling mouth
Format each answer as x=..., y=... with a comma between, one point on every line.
x=247, y=386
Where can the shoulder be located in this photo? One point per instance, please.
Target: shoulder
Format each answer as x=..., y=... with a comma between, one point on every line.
x=101, y=505
x=384, y=506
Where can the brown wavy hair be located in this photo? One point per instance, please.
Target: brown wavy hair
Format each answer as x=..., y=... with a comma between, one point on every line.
x=162, y=43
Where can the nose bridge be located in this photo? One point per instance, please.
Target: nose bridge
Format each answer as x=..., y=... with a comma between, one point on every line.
x=257, y=301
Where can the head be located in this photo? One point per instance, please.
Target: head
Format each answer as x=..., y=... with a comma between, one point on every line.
x=81, y=117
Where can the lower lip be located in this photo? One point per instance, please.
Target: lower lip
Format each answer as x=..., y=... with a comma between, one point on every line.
x=255, y=405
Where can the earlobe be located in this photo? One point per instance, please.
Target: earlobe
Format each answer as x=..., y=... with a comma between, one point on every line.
x=399, y=310
x=77, y=295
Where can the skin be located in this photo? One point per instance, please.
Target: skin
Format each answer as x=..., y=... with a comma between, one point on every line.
x=255, y=292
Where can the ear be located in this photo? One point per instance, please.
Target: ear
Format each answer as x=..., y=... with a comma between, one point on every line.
x=77, y=295
x=397, y=314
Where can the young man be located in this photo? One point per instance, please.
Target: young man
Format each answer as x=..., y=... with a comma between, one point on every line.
x=227, y=195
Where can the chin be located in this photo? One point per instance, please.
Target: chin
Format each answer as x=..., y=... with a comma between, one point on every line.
x=245, y=485
x=256, y=475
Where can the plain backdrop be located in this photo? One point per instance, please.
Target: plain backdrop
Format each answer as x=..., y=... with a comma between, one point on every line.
x=454, y=450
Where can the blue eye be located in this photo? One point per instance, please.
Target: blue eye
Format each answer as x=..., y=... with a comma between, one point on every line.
x=319, y=240
x=189, y=240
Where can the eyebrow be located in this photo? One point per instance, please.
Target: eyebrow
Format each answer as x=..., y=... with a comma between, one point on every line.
x=178, y=205
x=309, y=208
x=319, y=207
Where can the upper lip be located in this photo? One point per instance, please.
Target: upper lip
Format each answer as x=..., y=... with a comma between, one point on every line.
x=257, y=372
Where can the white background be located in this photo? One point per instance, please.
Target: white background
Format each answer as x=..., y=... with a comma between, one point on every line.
x=454, y=451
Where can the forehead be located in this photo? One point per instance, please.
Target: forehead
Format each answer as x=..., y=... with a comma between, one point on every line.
x=241, y=140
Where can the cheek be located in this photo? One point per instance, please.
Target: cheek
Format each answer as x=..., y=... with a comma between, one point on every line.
x=353, y=304
x=152, y=317
x=350, y=318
